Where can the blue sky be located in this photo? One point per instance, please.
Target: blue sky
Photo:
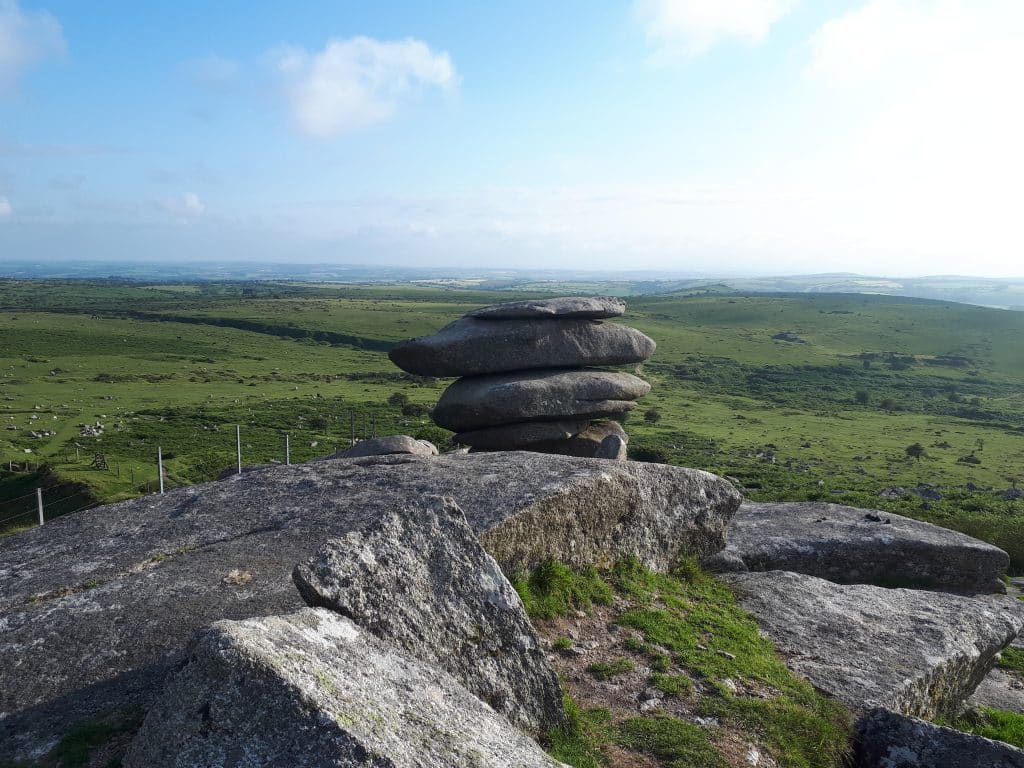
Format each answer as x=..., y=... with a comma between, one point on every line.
x=722, y=136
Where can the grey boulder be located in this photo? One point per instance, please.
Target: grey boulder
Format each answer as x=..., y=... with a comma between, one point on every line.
x=418, y=578
x=471, y=346
x=887, y=739
x=918, y=653
x=97, y=606
x=312, y=689
x=488, y=401
x=600, y=440
x=521, y=435
x=858, y=546
x=390, y=444
x=590, y=307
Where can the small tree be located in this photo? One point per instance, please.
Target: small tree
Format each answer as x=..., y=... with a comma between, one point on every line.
x=915, y=451
x=862, y=397
x=652, y=416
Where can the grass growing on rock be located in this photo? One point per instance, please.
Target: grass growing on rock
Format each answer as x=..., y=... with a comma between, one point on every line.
x=555, y=590
x=683, y=638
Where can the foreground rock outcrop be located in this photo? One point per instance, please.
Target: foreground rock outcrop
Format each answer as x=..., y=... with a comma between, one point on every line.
x=313, y=689
x=96, y=607
x=419, y=579
x=890, y=740
x=525, y=380
x=914, y=652
x=857, y=546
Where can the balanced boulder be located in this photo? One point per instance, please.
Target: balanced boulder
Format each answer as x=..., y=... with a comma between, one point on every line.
x=590, y=307
x=418, y=578
x=472, y=347
x=487, y=401
x=312, y=689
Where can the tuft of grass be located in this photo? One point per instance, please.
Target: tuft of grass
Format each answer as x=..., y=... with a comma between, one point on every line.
x=607, y=670
x=562, y=644
x=555, y=590
x=678, y=743
x=1012, y=658
x=995, y=724
x=581, y=741
x=679, y=686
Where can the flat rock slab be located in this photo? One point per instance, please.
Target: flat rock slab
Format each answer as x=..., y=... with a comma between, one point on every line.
x=999, y=690
x=95, y=607
x=419, y=579
x=312, y=689
x=385, y=446
x=890, y=740
x=472, y=347
x=477, y=402
x=590, y=307
x=915, y=652
x=858, y=546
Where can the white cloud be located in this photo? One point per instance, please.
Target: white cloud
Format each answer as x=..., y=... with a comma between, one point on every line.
x=25, y=40
x=933, y=154
x=358, y=82
x=5, y=207
x=186, y=206
x=692, y=27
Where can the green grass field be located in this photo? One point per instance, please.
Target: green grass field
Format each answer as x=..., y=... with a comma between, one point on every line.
x=797, y=396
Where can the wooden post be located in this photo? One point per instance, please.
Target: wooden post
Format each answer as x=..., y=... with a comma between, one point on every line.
x=287, y=450
x=238, y=445
x=160, y=466
x=352, y=425
x=39, y=503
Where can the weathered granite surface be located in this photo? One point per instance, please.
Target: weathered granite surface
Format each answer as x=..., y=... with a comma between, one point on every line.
x=890, y=740
x=858, y=546
x=472, y=347
x=915, y=652
x=418, y=579
x=521, y=435
x=95, y=607
x=591, y=307
x=387, y=445
x=477, y=402
x=312, y=689
x=1001, y=689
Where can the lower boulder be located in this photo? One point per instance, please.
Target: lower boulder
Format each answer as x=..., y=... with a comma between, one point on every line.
x=313, y=689
x=857, y=546
x=917, y=653
x=388, y=445
x=889, y=740
x=419, y=579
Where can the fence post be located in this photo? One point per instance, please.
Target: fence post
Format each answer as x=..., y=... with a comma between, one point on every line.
x=160, y=466
x=287, y=450
x=39, y=503
x=352, y=426
x=238, y=445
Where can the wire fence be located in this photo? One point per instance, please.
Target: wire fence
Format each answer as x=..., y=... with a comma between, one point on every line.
x=39, y=505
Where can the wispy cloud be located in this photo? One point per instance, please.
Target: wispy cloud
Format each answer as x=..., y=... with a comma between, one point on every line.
x=352, y=84
x=186, y=206
x=691, y=27
x=25, y=40
x=5, y=207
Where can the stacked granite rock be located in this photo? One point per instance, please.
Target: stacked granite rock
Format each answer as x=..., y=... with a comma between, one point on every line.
x=527, y=381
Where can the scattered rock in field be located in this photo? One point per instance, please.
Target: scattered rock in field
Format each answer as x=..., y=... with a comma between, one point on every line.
x=890, y=740
x=313, y=689
x=855, y=546
x=390, y=444
x=418, y=578
x=918, y=653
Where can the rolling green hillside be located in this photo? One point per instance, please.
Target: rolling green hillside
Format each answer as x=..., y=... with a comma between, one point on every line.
x=796, y=396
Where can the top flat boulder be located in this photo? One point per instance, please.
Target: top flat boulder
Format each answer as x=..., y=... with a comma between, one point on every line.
x=471, y=346
x=858, y=546
x=581, y=307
